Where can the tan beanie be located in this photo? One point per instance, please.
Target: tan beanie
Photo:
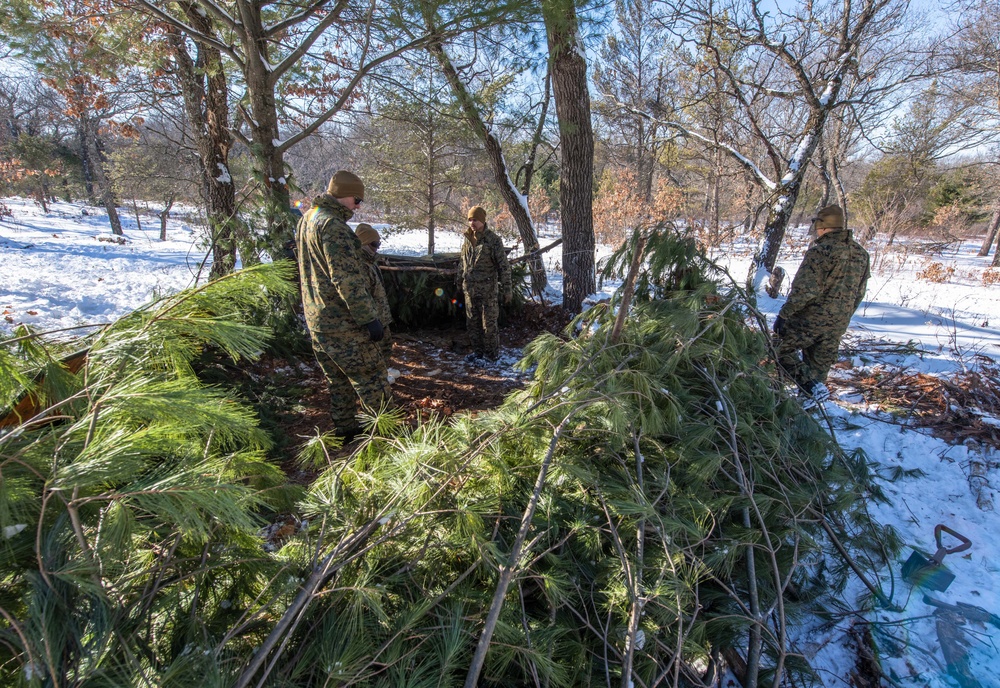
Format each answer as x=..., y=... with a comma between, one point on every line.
x=344, y=184
x=367, y=234
x=830, y=217
x=477, y=212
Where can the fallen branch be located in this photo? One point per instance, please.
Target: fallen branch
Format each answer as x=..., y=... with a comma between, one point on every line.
x=537, y=252
x=507, y=572
x=419, y=268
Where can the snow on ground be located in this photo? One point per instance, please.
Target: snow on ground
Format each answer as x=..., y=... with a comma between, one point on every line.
x=907, y=639
x=63, y=269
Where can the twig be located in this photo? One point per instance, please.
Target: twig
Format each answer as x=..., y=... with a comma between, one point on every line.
x=628, y=288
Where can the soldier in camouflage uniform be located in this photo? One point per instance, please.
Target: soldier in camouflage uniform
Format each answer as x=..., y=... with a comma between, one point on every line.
x=341, y=314
x=485, y=275
x=827, y=289
x=370, y=242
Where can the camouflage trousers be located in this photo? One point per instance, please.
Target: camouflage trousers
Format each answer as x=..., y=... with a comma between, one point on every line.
x=481, y=313
x=807, y=356
x=355, y=371
x=385, y=346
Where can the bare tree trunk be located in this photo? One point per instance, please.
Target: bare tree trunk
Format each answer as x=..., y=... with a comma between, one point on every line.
x=41, y=196
x=206, y=102
x=86, y=164
x=576, y=139
x=104, y=186
x=262, y=120
x=516, y=203
x=431, y=207
x=164, y=215
x=528, y=168
x=824, y=171
x=716, y=188
x=991, y=232
x=431, y=187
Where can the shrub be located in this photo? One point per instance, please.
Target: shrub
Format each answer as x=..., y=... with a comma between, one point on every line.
x=937, y=273
x=991, y=276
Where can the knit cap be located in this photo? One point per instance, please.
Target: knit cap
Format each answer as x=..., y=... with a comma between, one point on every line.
x=344, y=184
x=367, y=234
x=477, y=212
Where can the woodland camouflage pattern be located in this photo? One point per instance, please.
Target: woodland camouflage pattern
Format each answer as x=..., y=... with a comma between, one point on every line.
x=376, y=287
x=337, y=307
x=827, y=289
x=484, y=270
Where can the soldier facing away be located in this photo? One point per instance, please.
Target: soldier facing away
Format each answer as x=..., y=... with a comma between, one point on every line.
x=370, y=243
x=341, y=314
x=827, y=289
x=485, y=276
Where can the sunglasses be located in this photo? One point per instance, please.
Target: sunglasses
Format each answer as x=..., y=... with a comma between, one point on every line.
x=357, y=201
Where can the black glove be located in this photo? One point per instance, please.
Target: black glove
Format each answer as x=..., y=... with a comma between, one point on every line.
x=779, y=326
x=375, y=330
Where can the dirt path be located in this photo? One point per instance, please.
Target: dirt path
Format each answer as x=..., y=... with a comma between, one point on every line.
x=434, y=377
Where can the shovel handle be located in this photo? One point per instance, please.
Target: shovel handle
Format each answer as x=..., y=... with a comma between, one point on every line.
x=938, y=529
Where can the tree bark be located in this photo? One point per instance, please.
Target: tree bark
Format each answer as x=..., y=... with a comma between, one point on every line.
x=86, y=166
x=782, y=201
x=164, y=215
x=263, y=123
x=206, y=102
x=991, y=231
x=576, y=140
x=527, y=170
x=104, y=186
x=431, y=187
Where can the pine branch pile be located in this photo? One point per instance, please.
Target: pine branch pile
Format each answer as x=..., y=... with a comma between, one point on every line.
x=650, y=508
x=129, y=504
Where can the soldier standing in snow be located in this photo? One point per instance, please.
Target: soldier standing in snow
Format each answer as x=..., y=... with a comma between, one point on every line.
x=370, y=242
x=342, y=316
x=827, y=289
x=485, y=275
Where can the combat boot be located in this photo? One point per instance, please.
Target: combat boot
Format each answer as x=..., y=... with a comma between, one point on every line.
x=813, y=393
x=348, y=433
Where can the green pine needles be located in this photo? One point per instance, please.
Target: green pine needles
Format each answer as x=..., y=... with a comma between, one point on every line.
x=129, y=494
x=649, y=508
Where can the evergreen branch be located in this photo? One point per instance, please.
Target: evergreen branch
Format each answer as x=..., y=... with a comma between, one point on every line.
x=39, y=335
x=507, y=571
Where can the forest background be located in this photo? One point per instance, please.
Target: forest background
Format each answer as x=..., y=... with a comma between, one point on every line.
x=734, y=118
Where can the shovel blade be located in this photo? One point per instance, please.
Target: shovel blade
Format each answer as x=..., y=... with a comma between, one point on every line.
x=921, y=571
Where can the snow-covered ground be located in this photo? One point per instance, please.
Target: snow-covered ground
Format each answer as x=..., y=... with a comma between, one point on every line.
x=63, y=269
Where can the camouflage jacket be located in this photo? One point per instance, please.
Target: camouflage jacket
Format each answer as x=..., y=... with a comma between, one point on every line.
x=376, y=287
x=829, y=284
x=484, y=262
x=334, y=277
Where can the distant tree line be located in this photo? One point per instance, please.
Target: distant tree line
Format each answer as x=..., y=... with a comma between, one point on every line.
x=732, y=118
